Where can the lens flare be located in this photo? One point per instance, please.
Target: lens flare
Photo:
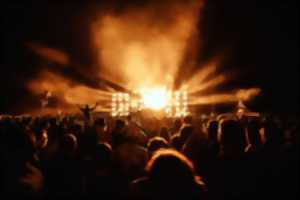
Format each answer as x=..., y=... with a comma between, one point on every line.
x=156, y=98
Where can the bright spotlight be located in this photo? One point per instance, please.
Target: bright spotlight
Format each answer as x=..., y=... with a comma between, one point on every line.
x=155, y=98
x=173, y=103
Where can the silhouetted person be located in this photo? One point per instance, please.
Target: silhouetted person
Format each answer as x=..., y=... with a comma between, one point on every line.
x=42, y=140
x=176, y=142
x=195, y=148
x=129, y=160
x=21, y=179
x=68, y=145
x=188, y=120
x=101, y=130
x=103, y=156
x=130, y=156
x=99, y=179
x=118, y=134
x=170, y=175
x=65, y=179
x=87, y=110
x=137, y=131
x=185, y=133
x=164, y=133
x=232, y=138
x=230, y=178
x=41, y=149
x=212, y=132
x=176, y=127
x=276, y=165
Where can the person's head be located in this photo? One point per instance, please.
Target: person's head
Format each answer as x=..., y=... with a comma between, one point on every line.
x=53, y=122
x=103, y=155
x=69, y=144
x=44, y=124
x=42, y=140
x=121, y=136
x=120, y=124
x=100, y=124
x=188, y=119
x=169, y=168
x=232, y=136
x=186, y=132
x=156, y=143
x=76, y=128
x=26, y=120
x=177, y=124
x=212, y=130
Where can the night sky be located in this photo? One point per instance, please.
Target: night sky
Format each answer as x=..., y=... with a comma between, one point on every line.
x=260, y=40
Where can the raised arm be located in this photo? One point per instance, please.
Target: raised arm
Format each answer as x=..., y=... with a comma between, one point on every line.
x=79, y=107
x=94, y=107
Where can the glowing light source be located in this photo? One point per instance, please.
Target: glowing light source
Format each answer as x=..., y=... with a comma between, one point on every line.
x=120, y=104
x=155, y=98
x=173, y=103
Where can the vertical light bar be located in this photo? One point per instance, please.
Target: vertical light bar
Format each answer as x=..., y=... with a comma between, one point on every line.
x=168, y=108
x=177, y=103
x=114, y=105
x=181, y=103
x=126, y=101
x=120, y=105
x=185, y=110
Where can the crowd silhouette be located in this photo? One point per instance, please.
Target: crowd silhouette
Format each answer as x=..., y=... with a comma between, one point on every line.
x=73, y=156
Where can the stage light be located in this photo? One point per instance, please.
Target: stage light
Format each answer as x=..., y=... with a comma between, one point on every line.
x=181, y=103
x=172, y=103
x=154, y=98
x=120, y=104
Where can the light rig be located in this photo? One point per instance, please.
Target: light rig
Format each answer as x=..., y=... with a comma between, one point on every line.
x=172, y=103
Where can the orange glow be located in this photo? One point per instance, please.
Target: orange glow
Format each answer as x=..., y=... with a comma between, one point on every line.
x=246, y=94
x=171, y=103
x=156, y=98
x=48, y=81
x=213, y=99
x=230, y=97
x=68, y=92
x=210, y=83
x=146, y=50
x=143, y=49
x=85, y=95
x=51, y=54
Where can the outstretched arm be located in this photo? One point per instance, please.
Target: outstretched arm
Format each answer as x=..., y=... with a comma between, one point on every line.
x=95, y=106
x=79, y=107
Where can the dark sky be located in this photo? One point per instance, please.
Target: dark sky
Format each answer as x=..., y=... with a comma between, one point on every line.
x=260, y=38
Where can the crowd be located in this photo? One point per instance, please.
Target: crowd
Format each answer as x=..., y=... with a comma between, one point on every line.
x=52, y=157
